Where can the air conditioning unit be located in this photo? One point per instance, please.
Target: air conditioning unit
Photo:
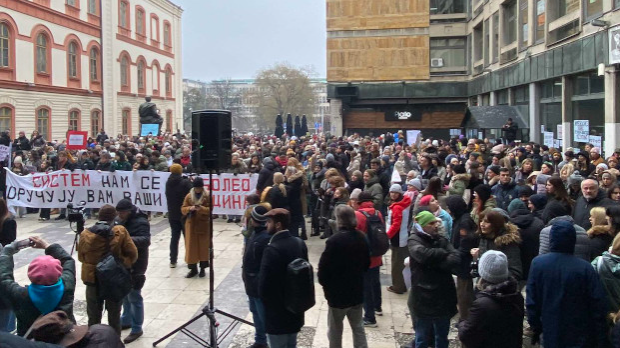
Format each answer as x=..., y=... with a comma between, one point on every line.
x=436, y=62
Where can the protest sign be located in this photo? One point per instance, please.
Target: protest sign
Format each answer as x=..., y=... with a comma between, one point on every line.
x=147, y=129
x=596, y=140
x=548, y=139
x=412, y=136
x=560, y=131
x=76, y=140
x=146, y=189
x=4, y=152
x=581, y=132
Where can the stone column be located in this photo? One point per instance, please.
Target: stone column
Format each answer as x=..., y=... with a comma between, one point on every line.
x=612, y=110
x=535, y=114
x=567, y=111
x=336, y=118
x=492, y=98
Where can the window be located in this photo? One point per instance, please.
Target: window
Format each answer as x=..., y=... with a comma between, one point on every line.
x=167, y=34
x=567, y=6
x=540, y=20
x=496, y=37
x=169, y=120
x=154, y=28
x=74, y=120
x=124, y=71
x=125, y=122
x=502, y=97
x=141, y=75
x=478, y=43
x=155, y=76
x=485, y=49
x=6, y=119
x=4, y=46
x=451, y=50
x=43, y=122
x=617, y=3
x=72, y=60
x=92, y=7
x=168, y=83
x=593, y=8
x=42, y=53
x=510, y=24
x=123, y=14
x=140, y=22
x=71, y=2
x=95, y=118
x=447, y=6
x=94, y=57
x=524, y=32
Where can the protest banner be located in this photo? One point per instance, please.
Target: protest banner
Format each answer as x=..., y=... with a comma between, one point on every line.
x=581, y=132
x=146, y=189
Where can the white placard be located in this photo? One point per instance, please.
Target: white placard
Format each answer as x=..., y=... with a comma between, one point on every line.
x=548, y=139
x=558, y=144
x=146, y=189
x=596, y=140
x=412, y=136
x=76, y=139
x=614, y=45
x=542, y=128
x=4, y=152
x=560, y=131
x=581, y=131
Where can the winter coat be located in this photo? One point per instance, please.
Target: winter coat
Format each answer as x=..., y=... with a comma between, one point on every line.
x=252, y=257
x=140, y=232
x=599, y=238
x=495, y=318
x=376, y=191
x=37, y=141
x=362, y=226
x=565, y=299
x=18, y=296
x=397, y=222
x=581, y=213
x=432, y=262
x=342, y=267
x=86, y=164
x=265, y=176
x=277, y=198
x=281, y=250
x=608, y=268
x=555, y=208
x=177, y=187
x=510, y=132
x=464, y=244
x=197, y=227
x=505, y=193
x=96, y=241
x=105, y=167
x=507, y=241
x=22, y=143
x=529, y=230
x=582, y=247
x=125, y=166
x=458, y=184
x=294, y=194
x=239, y=168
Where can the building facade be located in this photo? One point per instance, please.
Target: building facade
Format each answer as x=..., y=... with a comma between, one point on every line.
x=87, y=65
x=440, y=64
x=237, y=95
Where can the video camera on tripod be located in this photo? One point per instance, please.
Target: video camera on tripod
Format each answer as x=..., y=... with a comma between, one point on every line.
x=75, y=215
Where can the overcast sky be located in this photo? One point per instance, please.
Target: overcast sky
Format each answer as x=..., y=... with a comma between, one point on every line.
x=236, y=38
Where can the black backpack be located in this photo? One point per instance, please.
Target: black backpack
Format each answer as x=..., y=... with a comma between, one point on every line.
x=113, y=279
x=299, y=294
x=375, y=233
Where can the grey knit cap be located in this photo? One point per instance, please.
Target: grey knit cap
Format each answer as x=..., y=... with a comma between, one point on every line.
x=493, y=267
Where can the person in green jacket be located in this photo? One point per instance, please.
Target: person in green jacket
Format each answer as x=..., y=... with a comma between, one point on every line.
x=608, y=268
x=372, y=186
x=52, y=285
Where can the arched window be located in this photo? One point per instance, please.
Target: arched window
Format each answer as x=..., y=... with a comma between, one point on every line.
x=94, y=57
x=41, y=53
x=95, y=125
x=72, y=58
x=5, y=47
x=124, y=71
x=141, y=75
x=167, y=40
x=140, y=21
x=156, y=76
x=125, y=122
x=169, y=121
x=43, y=122
x=92, y=7
x=6, y=119
x=123, y=14
x=74, y=120
x=168, y=83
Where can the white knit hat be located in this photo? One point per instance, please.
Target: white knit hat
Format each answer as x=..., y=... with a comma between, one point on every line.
x=493, y=267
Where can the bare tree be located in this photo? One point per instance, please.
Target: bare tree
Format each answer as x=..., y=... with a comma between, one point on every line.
x=193, y=99
x=283, y=89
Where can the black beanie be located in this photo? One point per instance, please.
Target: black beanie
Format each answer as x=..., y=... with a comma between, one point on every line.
x=483, y=191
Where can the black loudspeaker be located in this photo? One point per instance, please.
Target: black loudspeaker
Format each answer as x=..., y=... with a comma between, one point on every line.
x=211, y=140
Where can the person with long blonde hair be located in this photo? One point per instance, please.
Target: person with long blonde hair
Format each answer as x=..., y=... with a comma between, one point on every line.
x=277, y=195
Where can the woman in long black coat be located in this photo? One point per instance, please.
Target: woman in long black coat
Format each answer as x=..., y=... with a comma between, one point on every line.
x=294, y=182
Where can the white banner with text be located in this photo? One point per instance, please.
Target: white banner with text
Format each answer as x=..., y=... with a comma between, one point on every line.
x=146, y=189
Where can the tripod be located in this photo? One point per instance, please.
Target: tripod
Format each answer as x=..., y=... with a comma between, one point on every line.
x=209, y=310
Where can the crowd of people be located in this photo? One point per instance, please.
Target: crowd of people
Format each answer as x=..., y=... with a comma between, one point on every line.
x=470, y=226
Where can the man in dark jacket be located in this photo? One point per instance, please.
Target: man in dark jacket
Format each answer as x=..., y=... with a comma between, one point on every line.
x=105, y=163
x=496, y=316
x=137, y=224
x=22, y=143
x=52, y=283
x=463, y=239
x=510, y=131
x=177, y=187
x=265, y=176
x=505, y=190
x=566, y=302
x=341, y=273
x=101, y=137
x=592, y=196
x=282, y=325
x=529, y=229
x=432, y=299
x=252, y=258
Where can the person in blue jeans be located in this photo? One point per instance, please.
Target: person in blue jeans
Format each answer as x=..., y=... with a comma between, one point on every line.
x=252, y=258
x=137, y=224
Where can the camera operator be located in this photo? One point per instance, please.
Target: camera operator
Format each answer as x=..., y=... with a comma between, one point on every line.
x=52, y=283
x=137, y=224
x=177, y=187
x=95, y=242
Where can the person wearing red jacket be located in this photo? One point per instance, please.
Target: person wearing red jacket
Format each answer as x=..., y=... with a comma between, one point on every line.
x=397, y=226
x=372, y=284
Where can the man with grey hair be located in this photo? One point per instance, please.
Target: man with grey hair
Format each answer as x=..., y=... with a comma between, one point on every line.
x=592, y=196
x=341, y=273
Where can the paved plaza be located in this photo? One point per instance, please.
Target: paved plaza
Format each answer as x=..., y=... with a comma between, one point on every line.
x=170, y=299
